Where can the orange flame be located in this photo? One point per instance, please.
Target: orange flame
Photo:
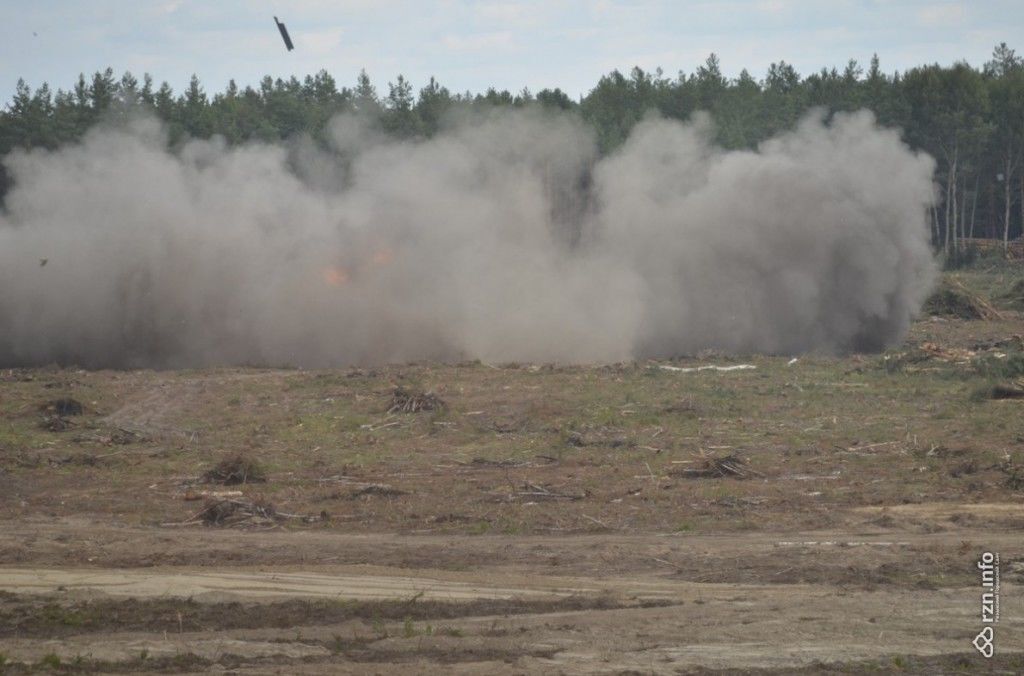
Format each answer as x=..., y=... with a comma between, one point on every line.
x=336, y=275
x=383, y=256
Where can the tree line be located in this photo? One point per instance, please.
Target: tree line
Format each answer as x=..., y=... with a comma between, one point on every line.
x=971, y=120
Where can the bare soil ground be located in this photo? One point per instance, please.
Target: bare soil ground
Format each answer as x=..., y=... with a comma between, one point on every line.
x=540, y=518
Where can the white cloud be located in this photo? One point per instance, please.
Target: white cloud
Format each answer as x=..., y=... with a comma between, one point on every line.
x=507, y=13
x=321, y=42
x=945, y=14
x=773, y=6
x=478, y=42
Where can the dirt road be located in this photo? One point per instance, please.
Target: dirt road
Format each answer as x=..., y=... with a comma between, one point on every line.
x=580, y=604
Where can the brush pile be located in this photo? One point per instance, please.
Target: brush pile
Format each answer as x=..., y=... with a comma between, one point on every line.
x=1014, y=296
x=407, y=401
x=947, y=354
x=237, y=469
x=233, y=511
x=64, y=406
x=952, y=299
x=56, y=412
x=381, y=490
x=718, y=468
x=240, y=511
x=55, y=423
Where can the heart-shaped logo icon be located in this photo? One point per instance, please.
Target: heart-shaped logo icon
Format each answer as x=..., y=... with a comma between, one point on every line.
x=984, y=642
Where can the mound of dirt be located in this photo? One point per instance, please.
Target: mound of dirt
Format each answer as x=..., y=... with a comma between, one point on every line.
x=952, y=299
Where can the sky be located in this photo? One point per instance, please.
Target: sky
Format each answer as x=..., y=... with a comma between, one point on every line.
x=475, y=45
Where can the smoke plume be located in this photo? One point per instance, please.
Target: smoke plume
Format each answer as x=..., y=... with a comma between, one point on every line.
x=505, y=237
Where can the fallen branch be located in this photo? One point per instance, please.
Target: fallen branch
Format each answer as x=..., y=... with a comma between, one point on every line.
x=404, y=401
x=541, y=493
x=718, y=468
x=234, y=511
x=382, y=490
x=600, y=523
x=710, y=367
x=484, y=462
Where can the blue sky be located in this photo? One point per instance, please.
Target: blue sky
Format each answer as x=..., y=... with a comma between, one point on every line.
x=473, y=45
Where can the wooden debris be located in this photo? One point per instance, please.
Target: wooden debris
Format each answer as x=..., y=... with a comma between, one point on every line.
x=239, y=511
x=382, y=490
x=535, y=492
x=950, y=354
x=598, y=437
x=62, y=407
x=374, y=428
x=406, y=401
x=122, y=436
x=1011, y=251
x=710, y=367
x=340, y=478
x=118, y=436
x=84, y=459
x=718, y=468
x=55, y=423
x=192, y=495
x=600, y=523
x=482, y=463
x=952, y=299
x=236, y=469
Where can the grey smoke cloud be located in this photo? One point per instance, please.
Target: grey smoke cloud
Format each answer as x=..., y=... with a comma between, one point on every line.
x=505, y=237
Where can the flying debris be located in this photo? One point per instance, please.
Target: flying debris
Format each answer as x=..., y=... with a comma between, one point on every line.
x=284, y=35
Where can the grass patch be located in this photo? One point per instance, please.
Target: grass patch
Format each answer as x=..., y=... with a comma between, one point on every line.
x=1000, y=368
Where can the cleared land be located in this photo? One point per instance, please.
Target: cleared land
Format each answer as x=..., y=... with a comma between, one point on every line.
x=570, y=519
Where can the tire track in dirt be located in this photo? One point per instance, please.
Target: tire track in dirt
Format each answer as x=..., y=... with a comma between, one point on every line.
x=711, y=626
x=260, y=586
x=711, y=623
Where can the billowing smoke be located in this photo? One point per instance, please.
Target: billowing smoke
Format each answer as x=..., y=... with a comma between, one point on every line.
x=503, y=238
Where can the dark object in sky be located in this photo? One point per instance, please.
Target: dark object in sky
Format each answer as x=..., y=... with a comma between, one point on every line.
x=284, y=35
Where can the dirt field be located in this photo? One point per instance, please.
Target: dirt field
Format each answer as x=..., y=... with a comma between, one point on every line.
x=820, y=516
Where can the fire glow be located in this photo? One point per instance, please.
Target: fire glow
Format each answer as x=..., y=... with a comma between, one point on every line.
x=335, y=275
x=339, y=275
